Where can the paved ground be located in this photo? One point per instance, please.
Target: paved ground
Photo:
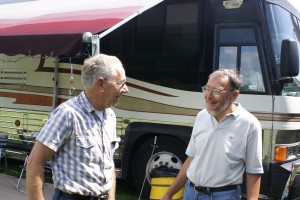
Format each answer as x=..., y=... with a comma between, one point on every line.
x=8, y=190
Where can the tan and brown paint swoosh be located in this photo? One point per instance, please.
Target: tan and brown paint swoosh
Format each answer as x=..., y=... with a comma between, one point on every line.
x=31, y=99
x=126, y=103
x=145, y=106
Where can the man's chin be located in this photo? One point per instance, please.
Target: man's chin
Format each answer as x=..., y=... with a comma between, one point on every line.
x=212, y=112
x=210, y=109
x=115, y=103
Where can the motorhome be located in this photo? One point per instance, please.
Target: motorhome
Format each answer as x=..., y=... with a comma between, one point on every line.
x=168, y=51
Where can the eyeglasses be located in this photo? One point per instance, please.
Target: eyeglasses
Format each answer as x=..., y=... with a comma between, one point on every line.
x=120, y=84
x=214, y=91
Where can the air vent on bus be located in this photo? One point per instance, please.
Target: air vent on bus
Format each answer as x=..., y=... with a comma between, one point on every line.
x=13, y=77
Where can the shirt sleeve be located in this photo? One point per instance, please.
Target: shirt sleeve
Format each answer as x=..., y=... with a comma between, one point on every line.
x=191, y=150
x=254, y=150
x=57, y=129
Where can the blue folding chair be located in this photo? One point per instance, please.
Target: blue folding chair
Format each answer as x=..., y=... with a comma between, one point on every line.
x=3, y=145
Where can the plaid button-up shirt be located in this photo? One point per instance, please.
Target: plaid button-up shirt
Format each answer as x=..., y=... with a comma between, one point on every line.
x=84, y=147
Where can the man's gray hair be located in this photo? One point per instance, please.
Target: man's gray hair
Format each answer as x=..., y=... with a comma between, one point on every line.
x=98, y=66
x=235, y=79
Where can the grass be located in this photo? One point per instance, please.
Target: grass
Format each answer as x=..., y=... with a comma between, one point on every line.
x=123, y=192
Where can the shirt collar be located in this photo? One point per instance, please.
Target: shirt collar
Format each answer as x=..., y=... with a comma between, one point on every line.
x=85, y=102
x=237, y=111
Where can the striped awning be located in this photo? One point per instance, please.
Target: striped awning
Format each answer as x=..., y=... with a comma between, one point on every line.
x=55, y=27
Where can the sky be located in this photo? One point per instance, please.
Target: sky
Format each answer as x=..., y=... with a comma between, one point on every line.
x=296, y=4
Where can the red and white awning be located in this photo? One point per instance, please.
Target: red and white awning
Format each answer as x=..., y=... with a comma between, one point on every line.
x=55, y=27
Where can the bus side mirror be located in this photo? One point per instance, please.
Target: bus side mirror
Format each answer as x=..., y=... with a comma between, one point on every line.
x=289, y=58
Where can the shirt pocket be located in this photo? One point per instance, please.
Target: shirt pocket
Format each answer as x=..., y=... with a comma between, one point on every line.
x=86, y=146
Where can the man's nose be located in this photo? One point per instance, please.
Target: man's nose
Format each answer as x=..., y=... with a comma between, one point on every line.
x=208, y=94
x=125, y=89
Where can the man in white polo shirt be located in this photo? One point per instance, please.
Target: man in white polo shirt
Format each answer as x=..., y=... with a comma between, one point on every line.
x=226, y=141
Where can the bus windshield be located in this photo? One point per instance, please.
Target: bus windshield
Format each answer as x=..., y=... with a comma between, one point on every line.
x=283, y=25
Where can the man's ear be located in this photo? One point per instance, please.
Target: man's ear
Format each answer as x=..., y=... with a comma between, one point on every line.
x=235, y=94
x=100, y=84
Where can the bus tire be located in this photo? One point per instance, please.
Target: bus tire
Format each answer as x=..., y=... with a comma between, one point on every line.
x=168, y=148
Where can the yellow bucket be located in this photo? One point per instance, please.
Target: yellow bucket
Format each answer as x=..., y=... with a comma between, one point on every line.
x=159, y=187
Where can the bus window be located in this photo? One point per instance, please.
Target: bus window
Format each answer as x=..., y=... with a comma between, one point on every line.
x=283, y=25
x=181, y=30
x=164, y=29
x=251, y=70
x=238, y=49
x=228, y=57
x=149, y=31
x=166, y=47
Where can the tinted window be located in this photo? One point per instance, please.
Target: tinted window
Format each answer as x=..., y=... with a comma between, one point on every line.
x=237, y=35
x=228, y=57
x=161, y=46
x=237, y=49
x=168, y=29
x=149, y=31
x=283, y=25
x=181, y=29
x=251, y=70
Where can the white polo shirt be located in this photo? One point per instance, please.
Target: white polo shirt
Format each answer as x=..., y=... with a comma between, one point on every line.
x=223, y=151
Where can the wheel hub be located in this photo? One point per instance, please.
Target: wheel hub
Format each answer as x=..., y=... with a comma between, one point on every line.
x=162, y=160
